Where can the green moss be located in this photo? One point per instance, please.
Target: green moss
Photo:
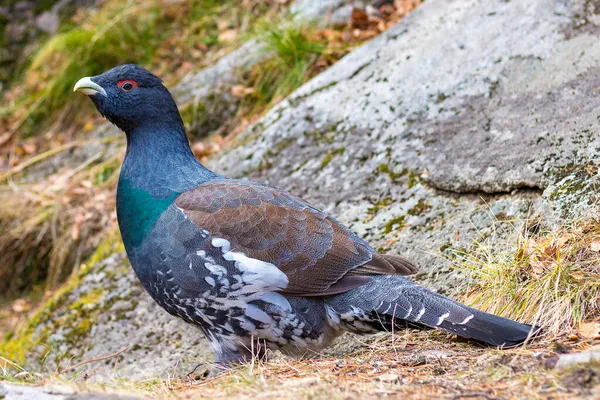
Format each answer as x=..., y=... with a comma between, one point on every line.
x=299, y=167
x=394, y=176
x=398, y=223
x=264, y=165
x=395, y=223
x=413, y=179
x=445, y=246
x=440, y=97
x=327, y=159
x=379, y=205
x=282, y=144
x=578, y=182
x=110, y=246
x=89, y=300
x=84, y=312
x=419, y=208
x=327, y=136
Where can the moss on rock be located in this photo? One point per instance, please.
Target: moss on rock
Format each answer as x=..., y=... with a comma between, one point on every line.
x=42, y=324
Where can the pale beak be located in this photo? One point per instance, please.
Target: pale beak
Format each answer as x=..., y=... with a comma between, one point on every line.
x=87, y=86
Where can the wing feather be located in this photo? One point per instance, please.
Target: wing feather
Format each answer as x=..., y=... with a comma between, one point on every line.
x=312, y=248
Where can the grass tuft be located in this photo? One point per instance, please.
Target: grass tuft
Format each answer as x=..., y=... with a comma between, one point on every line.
x=295, y=52
x=549, y=278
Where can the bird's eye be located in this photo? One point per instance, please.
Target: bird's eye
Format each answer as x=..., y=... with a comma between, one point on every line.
x=127, y=84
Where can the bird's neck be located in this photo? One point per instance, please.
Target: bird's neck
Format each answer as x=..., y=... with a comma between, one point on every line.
x=159, y=165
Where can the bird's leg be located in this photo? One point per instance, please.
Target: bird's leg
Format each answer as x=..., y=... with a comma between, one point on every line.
x=228, y=357
x=229, y=354
x=204, y=373
x=211, y=370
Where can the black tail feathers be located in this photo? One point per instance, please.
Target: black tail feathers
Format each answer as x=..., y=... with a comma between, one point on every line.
x=388, y=299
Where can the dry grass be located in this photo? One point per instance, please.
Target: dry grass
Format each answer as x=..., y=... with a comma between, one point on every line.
x=49, y=227
x=548, y=277
x=409, y=365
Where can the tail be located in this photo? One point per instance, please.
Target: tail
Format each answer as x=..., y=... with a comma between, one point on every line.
x=392, y=299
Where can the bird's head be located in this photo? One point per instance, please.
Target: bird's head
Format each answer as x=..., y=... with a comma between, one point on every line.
x=131, y=97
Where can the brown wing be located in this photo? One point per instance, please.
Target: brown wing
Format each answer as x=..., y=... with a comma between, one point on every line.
x=313, y=249
x=385, y=264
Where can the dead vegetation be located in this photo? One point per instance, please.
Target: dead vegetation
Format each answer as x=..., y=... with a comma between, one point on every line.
x=550, y=278
x=408, y=365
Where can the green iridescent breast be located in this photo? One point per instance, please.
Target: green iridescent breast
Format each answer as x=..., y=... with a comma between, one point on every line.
x=137, y=210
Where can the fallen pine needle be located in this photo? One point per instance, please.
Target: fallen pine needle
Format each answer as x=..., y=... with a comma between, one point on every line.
x=94, y=360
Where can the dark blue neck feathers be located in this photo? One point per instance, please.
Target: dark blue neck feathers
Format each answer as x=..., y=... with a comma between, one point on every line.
x=159, y=159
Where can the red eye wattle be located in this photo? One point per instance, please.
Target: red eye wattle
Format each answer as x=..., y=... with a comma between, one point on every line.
x=127, y=84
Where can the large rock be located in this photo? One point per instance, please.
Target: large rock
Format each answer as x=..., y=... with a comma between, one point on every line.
x=465, y=114
x=461, y=115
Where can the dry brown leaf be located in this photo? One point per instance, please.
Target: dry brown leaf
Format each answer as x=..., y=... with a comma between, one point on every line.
x=551, y=252
x=589, y=330
x=538, y=267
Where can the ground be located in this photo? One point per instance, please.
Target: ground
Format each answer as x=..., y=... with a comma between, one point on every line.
x=407, y=365
x=414, y=365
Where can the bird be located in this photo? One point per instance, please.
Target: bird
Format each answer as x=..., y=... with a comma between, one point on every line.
x=253, y=266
